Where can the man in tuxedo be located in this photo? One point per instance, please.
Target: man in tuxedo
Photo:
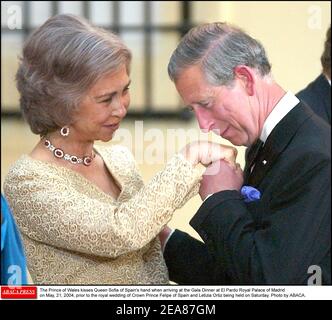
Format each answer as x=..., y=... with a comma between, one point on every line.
x=318, y=93
x=224, y=76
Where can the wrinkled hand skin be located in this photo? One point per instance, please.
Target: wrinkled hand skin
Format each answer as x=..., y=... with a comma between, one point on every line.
x=206, y=152
x=220, y=176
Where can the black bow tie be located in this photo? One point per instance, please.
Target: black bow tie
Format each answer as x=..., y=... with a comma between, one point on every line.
x=253, y=152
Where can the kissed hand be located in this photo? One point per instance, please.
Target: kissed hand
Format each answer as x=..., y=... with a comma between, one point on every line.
x=220, y=176
x=206, y=153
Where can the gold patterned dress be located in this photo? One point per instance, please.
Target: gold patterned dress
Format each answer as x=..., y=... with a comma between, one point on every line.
x=74, y=233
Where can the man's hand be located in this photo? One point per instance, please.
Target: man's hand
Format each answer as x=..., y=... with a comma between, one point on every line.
x=219, y=176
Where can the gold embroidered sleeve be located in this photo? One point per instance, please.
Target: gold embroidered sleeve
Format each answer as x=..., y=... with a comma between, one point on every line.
x=56, y=214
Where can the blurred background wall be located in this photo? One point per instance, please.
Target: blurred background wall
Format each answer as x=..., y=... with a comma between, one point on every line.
x=292, y=33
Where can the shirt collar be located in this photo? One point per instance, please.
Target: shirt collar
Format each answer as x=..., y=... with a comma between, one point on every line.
x=286, y=104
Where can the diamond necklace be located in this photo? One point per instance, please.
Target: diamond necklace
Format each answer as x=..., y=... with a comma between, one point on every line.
x=60, y=154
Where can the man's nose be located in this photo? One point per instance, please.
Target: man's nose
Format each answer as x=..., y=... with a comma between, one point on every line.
x=204, y=121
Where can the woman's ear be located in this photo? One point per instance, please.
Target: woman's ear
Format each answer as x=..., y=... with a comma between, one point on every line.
x=245, y=75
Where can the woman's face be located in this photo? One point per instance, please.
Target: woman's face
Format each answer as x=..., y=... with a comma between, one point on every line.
x=103, y=107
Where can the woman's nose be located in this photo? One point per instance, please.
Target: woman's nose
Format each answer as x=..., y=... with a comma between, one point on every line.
x=120, y=109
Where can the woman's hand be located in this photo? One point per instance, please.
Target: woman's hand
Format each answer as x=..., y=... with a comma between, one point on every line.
x=206, y=152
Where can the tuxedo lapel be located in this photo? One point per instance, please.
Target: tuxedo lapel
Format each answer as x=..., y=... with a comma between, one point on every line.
x=277, y=141
x=251, y=155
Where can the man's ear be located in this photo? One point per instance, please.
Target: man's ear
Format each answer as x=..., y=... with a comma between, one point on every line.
x=245, y=75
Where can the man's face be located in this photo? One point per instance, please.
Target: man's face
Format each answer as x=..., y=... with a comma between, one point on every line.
x=226, y=111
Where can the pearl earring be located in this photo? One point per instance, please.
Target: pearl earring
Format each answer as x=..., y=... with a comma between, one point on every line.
x=64, y=131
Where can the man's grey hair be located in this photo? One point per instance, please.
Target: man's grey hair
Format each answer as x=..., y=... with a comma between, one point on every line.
x=61, y=61
x=218, y=48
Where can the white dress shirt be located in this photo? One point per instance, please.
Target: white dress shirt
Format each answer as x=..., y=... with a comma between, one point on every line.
x=285, y=104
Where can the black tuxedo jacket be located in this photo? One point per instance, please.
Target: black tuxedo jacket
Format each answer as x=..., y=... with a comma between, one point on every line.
x=318, y=96
x=274, y=240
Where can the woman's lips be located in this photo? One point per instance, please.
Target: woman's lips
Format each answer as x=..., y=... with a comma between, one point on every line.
x=112, y=126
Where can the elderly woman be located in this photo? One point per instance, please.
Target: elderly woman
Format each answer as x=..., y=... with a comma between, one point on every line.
x=84, y=213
